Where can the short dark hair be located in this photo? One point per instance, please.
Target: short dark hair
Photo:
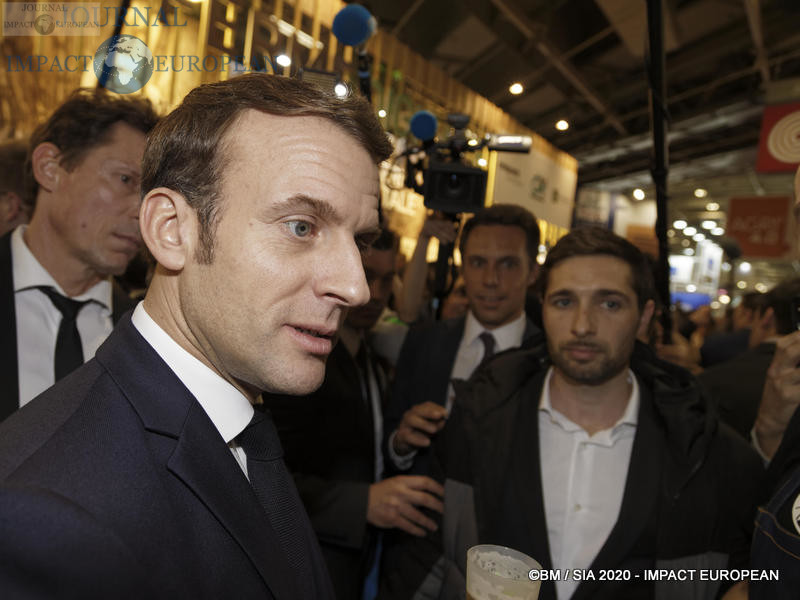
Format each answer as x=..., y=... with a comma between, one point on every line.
x=506, y=214
x=12, y=167
x=779, y=299
x=183, y=151
x=82, y=123
x=591, y=241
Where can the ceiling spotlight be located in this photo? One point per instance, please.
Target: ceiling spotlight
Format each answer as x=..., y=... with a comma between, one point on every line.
x=718, y=231
x=689, y=252
x=472, y=142
x=341, y=90
x=715, y=305
x=760, y=287
x=679, y=224
x=744, y=267
x=690, y=231
x=482, y=162
x=638, y=193
x=691, y=288
x=283, y=60
x=670, y=233
x=708, y=224
x=698, y=237
x=381, y=113
x=725, y=299
x=685, y=243
x=516, y=88
x=741, y=284
x=562, y=125
x=700, y=193
x=712, y=207
x=726, y=266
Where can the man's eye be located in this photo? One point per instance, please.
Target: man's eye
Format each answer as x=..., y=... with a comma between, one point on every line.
x=611, y=304
x=299, y=228
x=125, y=178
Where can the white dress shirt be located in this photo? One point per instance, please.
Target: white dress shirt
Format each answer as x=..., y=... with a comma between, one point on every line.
x=583, y=481
x=38, y=319
x=468, y=357
x=229, y=410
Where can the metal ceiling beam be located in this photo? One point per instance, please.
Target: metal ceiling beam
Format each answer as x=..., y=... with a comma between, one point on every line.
x=753, y=9
x=501, y=98
x=403, y=21
x=531, y=31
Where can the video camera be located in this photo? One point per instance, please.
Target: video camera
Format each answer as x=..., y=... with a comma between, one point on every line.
x=448, y=183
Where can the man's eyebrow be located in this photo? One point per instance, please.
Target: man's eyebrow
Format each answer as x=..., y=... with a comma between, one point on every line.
x=321, y=208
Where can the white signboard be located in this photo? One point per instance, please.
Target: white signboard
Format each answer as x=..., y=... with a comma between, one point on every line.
x=538, y=183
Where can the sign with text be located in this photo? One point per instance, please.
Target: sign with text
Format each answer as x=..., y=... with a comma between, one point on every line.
x=779, y=143
x=536, y=181
x=759, y=224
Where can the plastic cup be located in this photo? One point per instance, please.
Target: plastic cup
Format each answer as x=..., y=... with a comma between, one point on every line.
x=498, y=573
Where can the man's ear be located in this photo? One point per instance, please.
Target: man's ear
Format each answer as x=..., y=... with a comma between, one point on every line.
x=169, y=227
x=46, y=165
x=644, y=320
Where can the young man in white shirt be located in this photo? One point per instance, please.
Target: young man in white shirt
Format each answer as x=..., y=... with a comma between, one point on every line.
x=588, y=453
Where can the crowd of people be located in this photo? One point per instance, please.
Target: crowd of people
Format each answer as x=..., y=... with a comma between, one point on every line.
x=283, y=416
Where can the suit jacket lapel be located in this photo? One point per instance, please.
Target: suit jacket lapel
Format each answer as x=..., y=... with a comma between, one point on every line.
x=219, y=482
x=9, y=370
x=201, y=459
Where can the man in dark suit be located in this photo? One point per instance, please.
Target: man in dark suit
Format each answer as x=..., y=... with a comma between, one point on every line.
x=332, y=439
x=58, y=301
x=498, y=247
x=147, y=473
x=586, y=452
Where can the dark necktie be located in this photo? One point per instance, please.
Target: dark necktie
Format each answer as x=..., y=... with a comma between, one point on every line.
x=275, y=490
x=69, y=350
x=488, y=345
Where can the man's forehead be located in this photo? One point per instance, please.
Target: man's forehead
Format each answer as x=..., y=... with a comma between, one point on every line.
x=594, y=271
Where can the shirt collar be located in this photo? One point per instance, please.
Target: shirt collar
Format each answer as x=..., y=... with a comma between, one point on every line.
x=227, y=407
x=505, y=337
x=28, y=273
x=629, y=417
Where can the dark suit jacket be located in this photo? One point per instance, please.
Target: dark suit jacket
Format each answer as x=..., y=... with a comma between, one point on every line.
x=329, y=438
x=424, y=366
x=9, y=369
x=737, y=384
x=116, y=476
